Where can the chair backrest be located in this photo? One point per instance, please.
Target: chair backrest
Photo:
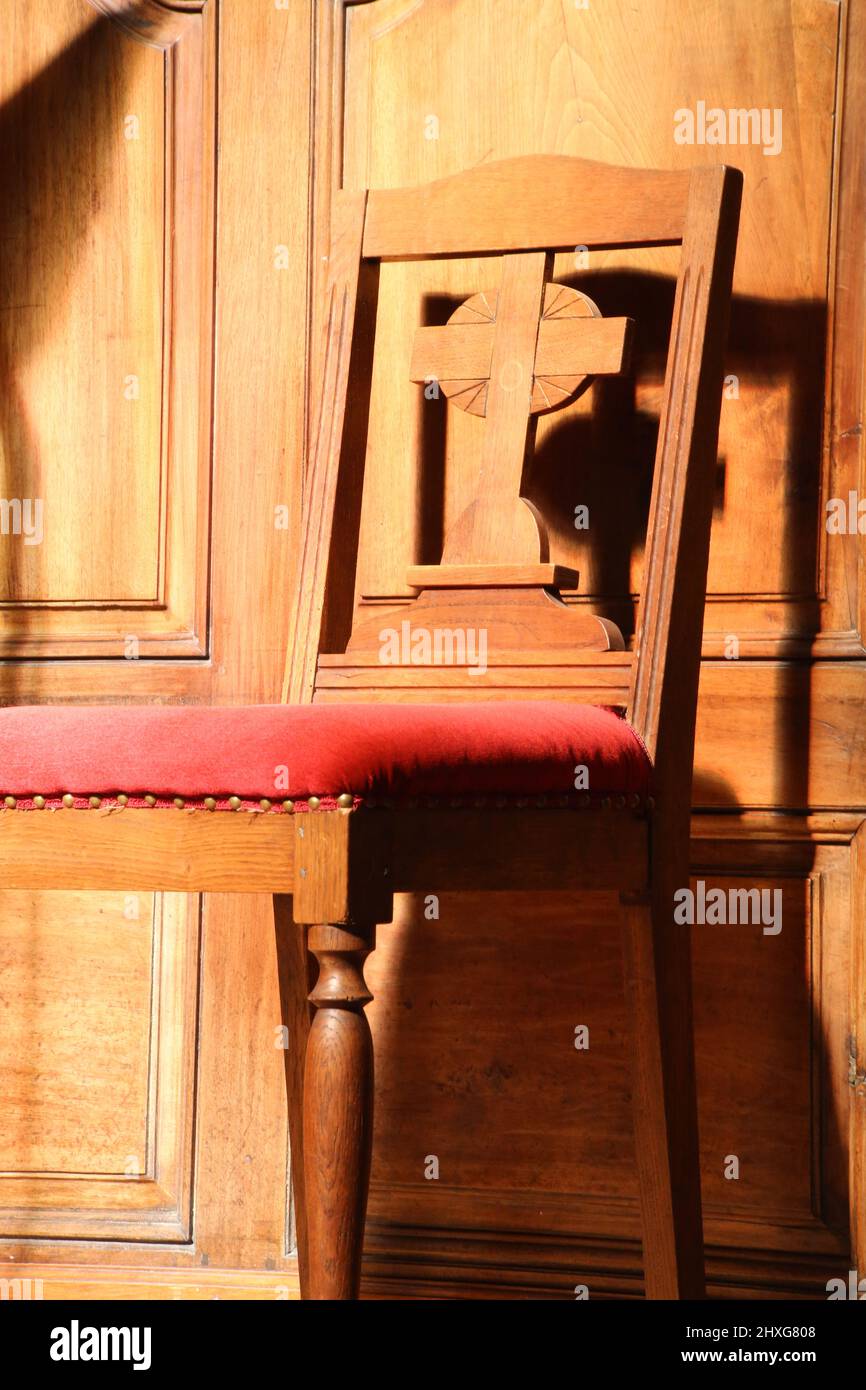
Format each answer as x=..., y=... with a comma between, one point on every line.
x=528, y=349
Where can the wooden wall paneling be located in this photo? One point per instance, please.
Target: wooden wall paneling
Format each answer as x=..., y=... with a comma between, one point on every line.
x=780, y=734
x=576, y=82
x=410, y=92
x=236, y=1239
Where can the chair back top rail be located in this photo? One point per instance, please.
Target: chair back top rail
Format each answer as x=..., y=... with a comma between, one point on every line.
x=536, y=202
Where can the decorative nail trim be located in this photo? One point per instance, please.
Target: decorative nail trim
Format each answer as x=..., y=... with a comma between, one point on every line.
x=136, y=800
x=634, y=801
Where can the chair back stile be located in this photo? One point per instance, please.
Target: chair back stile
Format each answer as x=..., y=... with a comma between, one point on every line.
x=495, y=563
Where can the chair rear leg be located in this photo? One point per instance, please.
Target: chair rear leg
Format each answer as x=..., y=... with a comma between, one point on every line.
x=657, y=966
x=338, y=1111
x=297, y=974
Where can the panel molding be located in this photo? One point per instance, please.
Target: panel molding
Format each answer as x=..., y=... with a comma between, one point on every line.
x=79, y=1282
x=154, y=1205
x=158, y=23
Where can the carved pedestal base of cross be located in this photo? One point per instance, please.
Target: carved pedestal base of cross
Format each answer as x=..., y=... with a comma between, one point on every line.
x=480, y=628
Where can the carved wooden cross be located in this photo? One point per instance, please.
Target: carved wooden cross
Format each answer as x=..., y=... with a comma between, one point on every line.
x=509, y=356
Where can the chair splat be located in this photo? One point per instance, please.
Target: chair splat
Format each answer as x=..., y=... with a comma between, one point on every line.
x=509, y=355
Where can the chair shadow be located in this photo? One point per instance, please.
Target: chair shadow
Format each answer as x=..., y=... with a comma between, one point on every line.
x=59, y=127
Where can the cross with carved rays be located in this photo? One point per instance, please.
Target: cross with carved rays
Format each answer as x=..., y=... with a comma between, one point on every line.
x=510, y=355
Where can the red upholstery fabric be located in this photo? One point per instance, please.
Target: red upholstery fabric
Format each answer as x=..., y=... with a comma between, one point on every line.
x=279, y=751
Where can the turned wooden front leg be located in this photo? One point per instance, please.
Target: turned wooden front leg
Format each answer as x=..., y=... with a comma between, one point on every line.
x=338, y=1111
x=342, y=889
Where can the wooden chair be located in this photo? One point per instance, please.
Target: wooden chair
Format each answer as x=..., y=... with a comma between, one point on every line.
x=479, y=807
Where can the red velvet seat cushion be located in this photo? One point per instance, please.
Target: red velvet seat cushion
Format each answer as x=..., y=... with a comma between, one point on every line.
x=280, y=751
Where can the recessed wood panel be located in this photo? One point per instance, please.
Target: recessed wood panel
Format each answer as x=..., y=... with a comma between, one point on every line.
x=105, y=338
x=97, y=1047
x=523, y=1109
x=478, y=1068
x=75, y=1057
